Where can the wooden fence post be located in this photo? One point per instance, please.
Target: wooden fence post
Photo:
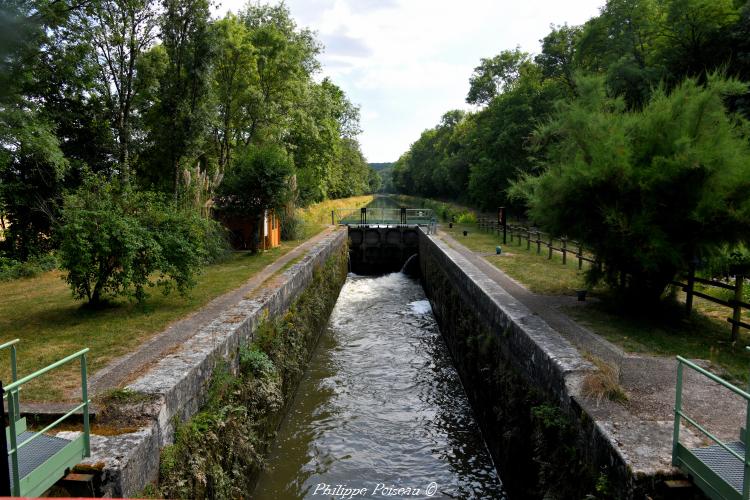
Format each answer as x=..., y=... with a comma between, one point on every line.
x=528, y=239
x=580, y=256
x=736, y=306
x=564, y=245
x=538, y=243
x=550, y=247
x=689, y=289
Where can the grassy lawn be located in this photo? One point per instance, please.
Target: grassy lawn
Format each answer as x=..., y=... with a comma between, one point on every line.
x=705, y=335
x=42, y=313
x=537, y=272
x=668, y=334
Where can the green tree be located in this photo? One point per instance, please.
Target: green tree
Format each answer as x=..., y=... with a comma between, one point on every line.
x=115, y=241
x=121, y=31
x=647, y=191
x=494, y=75
x=258, y=181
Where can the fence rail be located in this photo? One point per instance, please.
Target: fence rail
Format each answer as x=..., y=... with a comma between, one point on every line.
x=564, y=246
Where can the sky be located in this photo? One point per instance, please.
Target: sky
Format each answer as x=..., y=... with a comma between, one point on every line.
x=407, y=62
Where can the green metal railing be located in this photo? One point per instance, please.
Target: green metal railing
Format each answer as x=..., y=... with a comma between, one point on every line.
x=11, y=346
x=11, y=393
x=384, y=216
x=684, y=457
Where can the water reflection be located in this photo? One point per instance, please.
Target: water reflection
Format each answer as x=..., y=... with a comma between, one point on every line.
x=380, y=404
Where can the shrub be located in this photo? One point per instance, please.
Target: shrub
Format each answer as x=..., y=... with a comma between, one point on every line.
x=647, y=191
x=116, y=241
x=11, y=269
x=467, y=218
x=292, y=225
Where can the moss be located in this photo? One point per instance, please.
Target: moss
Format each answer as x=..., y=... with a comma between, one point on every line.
x=218, y=452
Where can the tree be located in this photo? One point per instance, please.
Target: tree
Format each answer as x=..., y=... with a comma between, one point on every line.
x=557, y=59
x=647, y=191
x=115, y=240
x=258, y=181
x=495, y=75
x=179, y=122
x=235, y=78
x=121, y=31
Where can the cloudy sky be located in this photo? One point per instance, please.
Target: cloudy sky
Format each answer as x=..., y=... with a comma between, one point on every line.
x=406, y=62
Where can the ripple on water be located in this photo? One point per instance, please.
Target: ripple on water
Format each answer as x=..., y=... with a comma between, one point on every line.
x=380, y=403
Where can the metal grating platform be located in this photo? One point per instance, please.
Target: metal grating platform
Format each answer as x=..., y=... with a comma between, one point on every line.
x=36, y=452
x=722, y=463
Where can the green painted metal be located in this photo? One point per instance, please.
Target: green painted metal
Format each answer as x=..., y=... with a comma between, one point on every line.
x=54, y=466
x=385, y=216
x=706, y=477
x=47, y=474
x=13, y=366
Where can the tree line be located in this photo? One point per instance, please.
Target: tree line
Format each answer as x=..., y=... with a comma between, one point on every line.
x=158, y=96
x=124, y=124
x=628, y=132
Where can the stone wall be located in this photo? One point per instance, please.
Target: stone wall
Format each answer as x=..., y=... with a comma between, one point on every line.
x=175, y=388
x=524, y=381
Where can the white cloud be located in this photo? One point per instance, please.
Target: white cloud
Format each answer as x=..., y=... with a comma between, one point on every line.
x=406, y=62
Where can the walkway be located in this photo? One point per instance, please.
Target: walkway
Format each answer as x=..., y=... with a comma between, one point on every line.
x=126, y=368
x=642, y=425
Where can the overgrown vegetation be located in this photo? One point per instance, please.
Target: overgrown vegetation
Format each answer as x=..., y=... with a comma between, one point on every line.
x=217, y=453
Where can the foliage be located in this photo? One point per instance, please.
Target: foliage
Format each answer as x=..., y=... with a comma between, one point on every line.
x=217, y=452
x=258, y=181
x=163, y=98
x=647, y=191
x=12, y=269
x=636, y=46
x=116, y=241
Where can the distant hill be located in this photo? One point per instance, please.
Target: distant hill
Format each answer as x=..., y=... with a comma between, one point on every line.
x=380, y=166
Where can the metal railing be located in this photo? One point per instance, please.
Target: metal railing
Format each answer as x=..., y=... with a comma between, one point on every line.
x=11, y=393
x=375, y=216
x=679, y=414
x=11, y=346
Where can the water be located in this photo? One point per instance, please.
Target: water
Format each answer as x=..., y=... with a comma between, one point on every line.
x=380, y=404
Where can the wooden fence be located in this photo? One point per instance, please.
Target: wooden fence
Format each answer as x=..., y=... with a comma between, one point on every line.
x=566, y=247
x=736, y=304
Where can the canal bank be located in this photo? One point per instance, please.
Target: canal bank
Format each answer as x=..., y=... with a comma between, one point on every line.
x=525, y=382
x=172, y=390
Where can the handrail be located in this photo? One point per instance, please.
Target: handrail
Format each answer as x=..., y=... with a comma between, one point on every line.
x=14, y=413
x=678, y=414
x=50, y=426
x=44, y=370
x=13, y=370
x=9, y=343
x=715, y=378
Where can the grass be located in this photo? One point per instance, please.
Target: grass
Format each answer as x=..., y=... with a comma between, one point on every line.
x=318, y=216
x=42, y=313
x=704, y=336
x=537, y=272
x=668, y=334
